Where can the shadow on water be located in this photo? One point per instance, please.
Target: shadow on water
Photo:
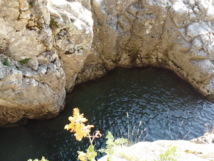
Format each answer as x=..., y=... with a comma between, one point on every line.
x=166, y=107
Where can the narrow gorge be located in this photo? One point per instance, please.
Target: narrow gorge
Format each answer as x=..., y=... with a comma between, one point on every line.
x=49, y=46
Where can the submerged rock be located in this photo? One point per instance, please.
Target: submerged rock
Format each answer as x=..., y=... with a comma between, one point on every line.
x=48, y=46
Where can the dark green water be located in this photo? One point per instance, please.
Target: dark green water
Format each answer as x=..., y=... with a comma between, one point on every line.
x=168, y=108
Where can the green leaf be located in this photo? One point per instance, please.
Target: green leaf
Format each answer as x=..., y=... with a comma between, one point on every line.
x=111, y=143
x=6, y=62
x=24, y=61
x=169, y=154
x=90, y=149
x=121, y=141
x=91, y=154
x=102, y=150
x=110, y=140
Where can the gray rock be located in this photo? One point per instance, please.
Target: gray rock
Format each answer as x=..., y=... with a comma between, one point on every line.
x=179, y=150
x=177, y=35
x=207, y=138
x=73, y=41
x=33, y=63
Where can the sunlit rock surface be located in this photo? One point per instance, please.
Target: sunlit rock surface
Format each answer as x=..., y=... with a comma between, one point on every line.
x=69, y=42
x=200, y=149
x=178, y=35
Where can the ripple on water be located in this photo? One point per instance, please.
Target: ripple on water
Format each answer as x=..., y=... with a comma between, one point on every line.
x=159, y=106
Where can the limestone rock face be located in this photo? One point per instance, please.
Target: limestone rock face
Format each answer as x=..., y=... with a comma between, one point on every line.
x=32, y=80
x=72, y=27
x=48, y=46
x=43, y=46
x=178, y=35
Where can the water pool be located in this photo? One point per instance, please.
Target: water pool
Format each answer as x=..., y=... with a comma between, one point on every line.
x=139, y=104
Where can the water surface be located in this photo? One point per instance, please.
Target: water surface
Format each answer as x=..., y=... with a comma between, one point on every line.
x=139, y=104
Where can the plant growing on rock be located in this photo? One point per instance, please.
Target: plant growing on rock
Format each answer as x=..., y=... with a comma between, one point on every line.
x=111, y=143
x=6, y=62
x=24, y=61
x=80, y=130
x=169, y=155
x=53, y=23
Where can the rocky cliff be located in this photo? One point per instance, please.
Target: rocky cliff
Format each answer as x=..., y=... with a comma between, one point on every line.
x=48, y=46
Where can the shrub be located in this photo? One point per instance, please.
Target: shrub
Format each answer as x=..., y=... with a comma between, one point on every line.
x=80, y=130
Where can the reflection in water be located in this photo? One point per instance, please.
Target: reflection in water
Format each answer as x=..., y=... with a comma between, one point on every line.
x=139, y=104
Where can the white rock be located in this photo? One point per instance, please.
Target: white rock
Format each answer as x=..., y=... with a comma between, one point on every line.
x=69, y=42
x=33, y=63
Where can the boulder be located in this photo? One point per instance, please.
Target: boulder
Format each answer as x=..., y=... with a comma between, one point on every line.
x=32, y=79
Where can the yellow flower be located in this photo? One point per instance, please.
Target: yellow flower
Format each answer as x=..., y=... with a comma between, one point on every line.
x=77, y=125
